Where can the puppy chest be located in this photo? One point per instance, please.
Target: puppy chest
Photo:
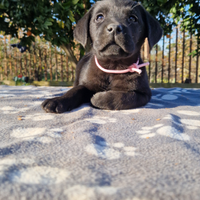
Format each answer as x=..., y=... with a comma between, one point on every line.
x=116, y=82
x=123, y=82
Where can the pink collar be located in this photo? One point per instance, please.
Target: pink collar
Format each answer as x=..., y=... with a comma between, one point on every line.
x=133, y=68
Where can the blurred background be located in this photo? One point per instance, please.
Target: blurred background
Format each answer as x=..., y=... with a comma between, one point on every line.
x=36, y=40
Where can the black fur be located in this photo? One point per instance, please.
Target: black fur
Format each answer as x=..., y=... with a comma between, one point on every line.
x=115, y=31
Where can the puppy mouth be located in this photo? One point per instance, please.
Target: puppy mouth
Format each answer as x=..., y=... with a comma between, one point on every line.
x=113, y=49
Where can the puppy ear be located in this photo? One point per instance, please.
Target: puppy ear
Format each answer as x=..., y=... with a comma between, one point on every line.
x=154, y=30
x=81, y=31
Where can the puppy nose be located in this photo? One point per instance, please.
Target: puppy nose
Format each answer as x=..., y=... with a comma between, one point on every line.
x=114, y=28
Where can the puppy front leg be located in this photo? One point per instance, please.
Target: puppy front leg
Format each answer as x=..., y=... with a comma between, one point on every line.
x=72, y=99
x=118, y=100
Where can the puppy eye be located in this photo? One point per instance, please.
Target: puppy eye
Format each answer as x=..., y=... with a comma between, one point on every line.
x=99, y=18
x=132, y=18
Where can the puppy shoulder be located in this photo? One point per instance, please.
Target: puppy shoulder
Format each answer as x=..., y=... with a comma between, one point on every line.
x=84, y=60
x=81, y=65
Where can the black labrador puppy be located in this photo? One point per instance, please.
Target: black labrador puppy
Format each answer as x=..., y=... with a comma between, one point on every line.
x=109, y=75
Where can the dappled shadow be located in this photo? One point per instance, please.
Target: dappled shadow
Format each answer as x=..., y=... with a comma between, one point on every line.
x=173, y=97
x=161, y=97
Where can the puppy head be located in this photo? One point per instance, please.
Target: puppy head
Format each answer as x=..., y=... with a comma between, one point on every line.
x=116, y=29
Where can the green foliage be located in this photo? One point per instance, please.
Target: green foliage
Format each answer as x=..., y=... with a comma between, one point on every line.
x=174, y=12
x=52, y=20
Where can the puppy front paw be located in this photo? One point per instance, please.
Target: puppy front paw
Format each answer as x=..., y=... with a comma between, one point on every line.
x=55, y=105
x=102, y=100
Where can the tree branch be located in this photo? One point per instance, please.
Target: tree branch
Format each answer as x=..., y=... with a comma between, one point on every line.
x=70, y=54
